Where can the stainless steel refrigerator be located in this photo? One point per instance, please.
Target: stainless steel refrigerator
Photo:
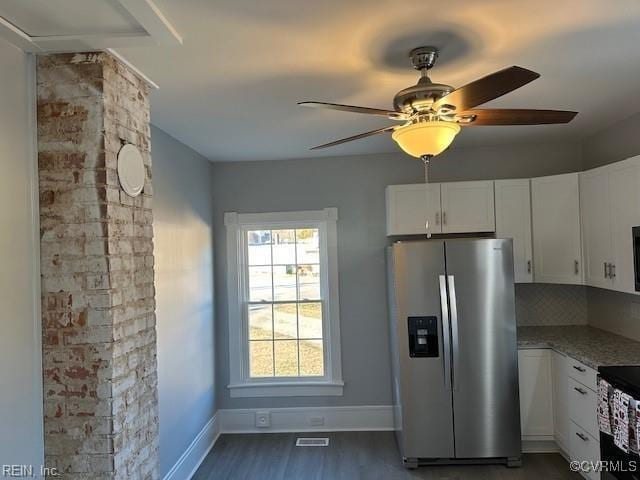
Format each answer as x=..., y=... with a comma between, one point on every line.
x=454, y=352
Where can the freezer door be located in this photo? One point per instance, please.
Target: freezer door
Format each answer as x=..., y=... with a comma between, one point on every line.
x=422, y=377
x=484, y=350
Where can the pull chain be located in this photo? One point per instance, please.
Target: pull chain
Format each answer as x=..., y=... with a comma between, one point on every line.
x=425, y=161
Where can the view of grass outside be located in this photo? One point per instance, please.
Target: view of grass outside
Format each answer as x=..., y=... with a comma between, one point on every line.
x=285, y=311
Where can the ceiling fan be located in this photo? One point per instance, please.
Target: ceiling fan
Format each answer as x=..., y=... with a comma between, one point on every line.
x=432, y=113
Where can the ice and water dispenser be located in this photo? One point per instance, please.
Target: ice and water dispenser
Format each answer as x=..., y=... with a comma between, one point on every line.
x=423, y=336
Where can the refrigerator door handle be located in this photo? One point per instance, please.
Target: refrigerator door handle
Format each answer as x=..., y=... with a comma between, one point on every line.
x=454, y=327
x=446, y=340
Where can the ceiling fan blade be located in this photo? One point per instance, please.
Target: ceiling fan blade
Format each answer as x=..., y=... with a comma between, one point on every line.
x=509, y=116
x=393, y=115
x=355, y=137
x=487, y=88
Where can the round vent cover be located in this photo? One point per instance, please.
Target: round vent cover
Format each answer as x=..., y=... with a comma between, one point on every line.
x=131, y=170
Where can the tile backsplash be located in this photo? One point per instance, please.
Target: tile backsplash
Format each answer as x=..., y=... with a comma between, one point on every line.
x=550, y=304
x=614, y=311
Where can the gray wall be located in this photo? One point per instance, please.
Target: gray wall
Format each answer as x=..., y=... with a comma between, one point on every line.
x=506, y=161
x=21, y=437
x=356, y=186
x=183, y=248
x=616, y=142
x=614, y=311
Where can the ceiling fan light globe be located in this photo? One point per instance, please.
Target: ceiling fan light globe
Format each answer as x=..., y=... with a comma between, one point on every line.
x=425, y=138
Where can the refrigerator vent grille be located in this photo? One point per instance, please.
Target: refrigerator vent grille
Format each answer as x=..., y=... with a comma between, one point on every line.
x=312, y=442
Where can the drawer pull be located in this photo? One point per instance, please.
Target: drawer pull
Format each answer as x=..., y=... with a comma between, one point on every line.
x=580, y=369
x=582, y=437
x=580, y=391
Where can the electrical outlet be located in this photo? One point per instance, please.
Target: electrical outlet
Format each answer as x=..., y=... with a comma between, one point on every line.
x=316, y=421
x=263, y=419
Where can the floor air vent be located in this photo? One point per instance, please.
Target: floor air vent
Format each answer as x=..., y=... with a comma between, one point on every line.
x=312, y=442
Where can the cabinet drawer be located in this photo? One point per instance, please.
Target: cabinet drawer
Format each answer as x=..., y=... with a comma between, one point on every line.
x=583, y=374
x=583, y=404
x=584, y=448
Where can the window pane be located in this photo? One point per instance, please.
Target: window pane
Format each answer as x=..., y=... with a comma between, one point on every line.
x=261, y=358
x=260, y=324
x=259, y=284
x=286, y=354
x=309, y=282
x=259, y=246
x=308, y=245
x=284, y=279
x=310, y=320
x=284, y=247
x=311, y=358
x=285, y=321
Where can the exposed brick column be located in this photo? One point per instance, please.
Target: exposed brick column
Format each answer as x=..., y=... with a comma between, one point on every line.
x=98, y=307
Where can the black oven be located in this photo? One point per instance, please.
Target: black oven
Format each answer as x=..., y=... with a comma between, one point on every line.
x=621, y=465
x=636, y=257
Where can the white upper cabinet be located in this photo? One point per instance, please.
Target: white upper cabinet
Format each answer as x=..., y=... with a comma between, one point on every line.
x=410, y=208
x=610, y=206
x=556, y=229
x=595, y=208
x=624, y=181
x=513, y=220
x=468, y=207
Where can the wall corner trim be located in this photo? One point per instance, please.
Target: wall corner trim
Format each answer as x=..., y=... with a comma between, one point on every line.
x=196, y=452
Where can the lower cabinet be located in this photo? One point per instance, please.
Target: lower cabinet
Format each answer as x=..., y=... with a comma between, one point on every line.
x=560, y=364
x=536, y=406
x=558, y=402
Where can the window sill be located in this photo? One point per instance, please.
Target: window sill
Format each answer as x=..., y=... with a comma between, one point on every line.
x=288, y=389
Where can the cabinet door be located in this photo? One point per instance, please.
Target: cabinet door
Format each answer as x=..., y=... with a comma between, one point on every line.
x=513, y=220
x=468, y=207
x=536, y=407
x=560, y=400
x=410, y=208
x=596, y=227
x=556, y=229
x=624, y=187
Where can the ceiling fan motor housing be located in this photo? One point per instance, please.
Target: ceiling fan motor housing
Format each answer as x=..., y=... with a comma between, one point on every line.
x=420, y=97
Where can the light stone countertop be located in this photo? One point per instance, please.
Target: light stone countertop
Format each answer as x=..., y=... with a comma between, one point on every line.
x=589, y=345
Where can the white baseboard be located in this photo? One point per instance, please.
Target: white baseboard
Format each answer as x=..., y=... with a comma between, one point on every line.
x=298, y=419
x=539, y=444
x=309, y=419
x=195, y=454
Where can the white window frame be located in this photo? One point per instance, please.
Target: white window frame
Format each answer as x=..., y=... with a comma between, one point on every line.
x=241, y=384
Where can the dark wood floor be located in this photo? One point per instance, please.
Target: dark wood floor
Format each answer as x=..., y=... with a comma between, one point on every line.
x=351, y=456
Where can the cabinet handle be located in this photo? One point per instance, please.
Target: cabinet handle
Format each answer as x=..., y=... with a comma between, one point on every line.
x=576, y=266
x=606, y=270
x=580, y=391
x=612, y=270
x=582, y=437
x=580, y=369
x=444, y=218
x=528, y=266
x=437, y=218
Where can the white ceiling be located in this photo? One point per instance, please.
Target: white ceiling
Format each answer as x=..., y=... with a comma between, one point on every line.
x=39, y=18
x=231, y=90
